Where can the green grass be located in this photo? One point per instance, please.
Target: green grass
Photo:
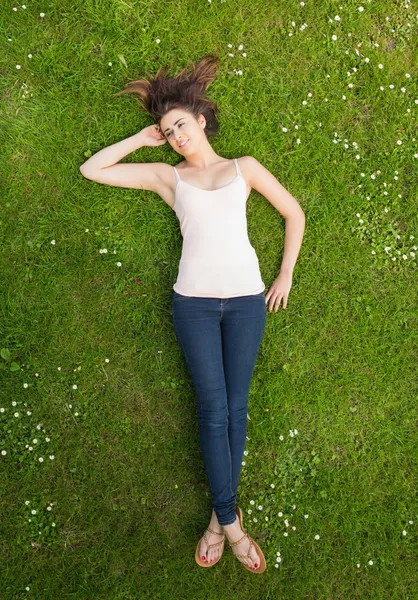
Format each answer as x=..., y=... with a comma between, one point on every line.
x=122, y=465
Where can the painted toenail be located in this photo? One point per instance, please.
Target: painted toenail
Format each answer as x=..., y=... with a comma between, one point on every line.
x=203, y=557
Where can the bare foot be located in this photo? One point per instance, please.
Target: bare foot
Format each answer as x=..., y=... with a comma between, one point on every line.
x=234, y=532
x=213, y=553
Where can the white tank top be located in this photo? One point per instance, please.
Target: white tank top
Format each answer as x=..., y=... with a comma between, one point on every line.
x=217, y=259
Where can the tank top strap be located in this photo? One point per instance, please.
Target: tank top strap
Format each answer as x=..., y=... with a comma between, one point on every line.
x=177, y=175
x=237, y=166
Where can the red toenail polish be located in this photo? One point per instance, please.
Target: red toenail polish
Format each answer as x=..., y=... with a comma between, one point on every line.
x=203, y=557
x=256, y=566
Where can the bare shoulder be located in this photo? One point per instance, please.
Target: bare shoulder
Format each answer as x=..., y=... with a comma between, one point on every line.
x=166, y=184
x=249, y=167
x=256, y=174
x=265, y=183
x=245, y=164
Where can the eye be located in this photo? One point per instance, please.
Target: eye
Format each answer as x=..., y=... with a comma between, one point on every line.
x=168, y=134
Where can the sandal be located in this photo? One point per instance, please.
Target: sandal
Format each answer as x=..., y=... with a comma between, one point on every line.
x=262, y=566
x=204, y=563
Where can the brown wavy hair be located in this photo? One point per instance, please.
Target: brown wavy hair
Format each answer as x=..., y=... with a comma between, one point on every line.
x=159, y=94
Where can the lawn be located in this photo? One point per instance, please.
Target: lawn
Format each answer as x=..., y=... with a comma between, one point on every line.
x=103, y=489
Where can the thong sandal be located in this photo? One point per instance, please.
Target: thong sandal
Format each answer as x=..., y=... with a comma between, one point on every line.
x=204, y=563
x=262, y=566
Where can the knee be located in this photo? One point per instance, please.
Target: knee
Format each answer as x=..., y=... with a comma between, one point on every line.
x=214, y=417
x=238, y=414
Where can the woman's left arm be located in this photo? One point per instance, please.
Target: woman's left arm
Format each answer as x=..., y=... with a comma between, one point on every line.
x=280, y=288
x=266, y=184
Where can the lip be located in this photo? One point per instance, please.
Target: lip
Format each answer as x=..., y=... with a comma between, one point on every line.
x=182, y=146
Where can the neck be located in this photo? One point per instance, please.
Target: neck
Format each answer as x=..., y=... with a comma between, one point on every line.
x=202, y=158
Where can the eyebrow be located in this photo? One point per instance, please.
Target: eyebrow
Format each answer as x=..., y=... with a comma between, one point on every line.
x=174, y=124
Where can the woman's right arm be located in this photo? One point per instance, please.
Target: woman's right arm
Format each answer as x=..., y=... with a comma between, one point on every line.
x=113, y=154
x=102, y=167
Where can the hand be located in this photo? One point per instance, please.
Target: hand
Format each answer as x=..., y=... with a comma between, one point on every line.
x=279, y=289
x=152, y=136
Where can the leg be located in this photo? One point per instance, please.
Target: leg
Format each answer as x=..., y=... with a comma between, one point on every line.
x=242, y=326
x=197, y=327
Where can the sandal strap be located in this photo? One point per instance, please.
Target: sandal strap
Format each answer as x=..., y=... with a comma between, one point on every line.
x=212, y=545
x=217, y=532
x=249, y=551
x=240, y=540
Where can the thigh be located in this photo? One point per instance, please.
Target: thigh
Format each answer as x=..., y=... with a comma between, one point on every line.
x=197, y=327
x=243, y=325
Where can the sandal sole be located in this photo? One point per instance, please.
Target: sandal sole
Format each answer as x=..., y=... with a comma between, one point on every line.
x=203, y=563
x=262, y=565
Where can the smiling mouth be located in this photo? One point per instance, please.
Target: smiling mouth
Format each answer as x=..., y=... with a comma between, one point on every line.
x=182, y=145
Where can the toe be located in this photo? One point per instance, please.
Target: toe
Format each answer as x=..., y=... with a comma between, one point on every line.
x=202, y=550
x=213, y=554
x=255, y=560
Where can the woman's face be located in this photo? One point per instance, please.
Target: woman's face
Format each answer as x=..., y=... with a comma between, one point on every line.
x=179, y=126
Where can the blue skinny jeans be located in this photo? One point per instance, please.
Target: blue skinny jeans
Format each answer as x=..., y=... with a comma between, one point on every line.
x=220, y=339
